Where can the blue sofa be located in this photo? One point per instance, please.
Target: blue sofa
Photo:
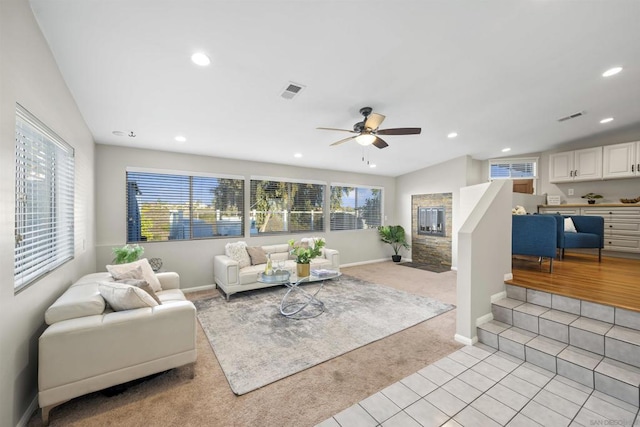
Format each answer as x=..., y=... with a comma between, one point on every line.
x=535, y=235
x=590, y=233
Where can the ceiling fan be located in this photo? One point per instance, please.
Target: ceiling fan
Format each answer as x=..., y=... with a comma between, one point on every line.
x=367, y=130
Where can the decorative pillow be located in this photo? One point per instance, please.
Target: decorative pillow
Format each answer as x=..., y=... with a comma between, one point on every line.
x=142, y=284
x=238, y=252
x=569, y=226
x=257, y=255
x=125, y=297
x=124, y=271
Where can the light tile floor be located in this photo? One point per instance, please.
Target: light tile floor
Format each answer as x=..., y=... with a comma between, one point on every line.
x=479, y=386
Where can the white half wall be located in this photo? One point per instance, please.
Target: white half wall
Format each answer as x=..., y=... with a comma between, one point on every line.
x=30, y=76
x=484, y=252
x=193, y=260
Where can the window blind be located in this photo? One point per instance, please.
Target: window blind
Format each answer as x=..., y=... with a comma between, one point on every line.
x=162, y=207
x=286, y=207
x=513, y=168
x=355, y=208
x=44, y=200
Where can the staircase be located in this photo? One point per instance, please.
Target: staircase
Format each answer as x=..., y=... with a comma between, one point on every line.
x=592, y=344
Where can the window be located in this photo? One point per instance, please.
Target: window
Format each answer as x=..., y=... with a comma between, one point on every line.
x=355, y=208
x=513, y=168
x=44, y=200
x=286, y=207
x=163, y=206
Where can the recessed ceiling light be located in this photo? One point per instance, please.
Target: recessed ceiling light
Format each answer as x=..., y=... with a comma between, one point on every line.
x=452, y=135
x=200, y=59
x=612, y=72
x=504, y=150
x=297, y=155
x=180, y=138
x=607, y=120
x=118, y=133
x=372, y=165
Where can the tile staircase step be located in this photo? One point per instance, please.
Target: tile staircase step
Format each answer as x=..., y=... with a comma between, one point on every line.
x=591, y=344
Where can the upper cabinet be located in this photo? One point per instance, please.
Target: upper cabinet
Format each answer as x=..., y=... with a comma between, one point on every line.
x=621, y=160
x=578, y=165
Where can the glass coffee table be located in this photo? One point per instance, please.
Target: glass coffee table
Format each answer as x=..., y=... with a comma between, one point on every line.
x=297, y=303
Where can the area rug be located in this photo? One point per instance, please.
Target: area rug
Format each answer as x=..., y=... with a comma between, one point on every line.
x=435, y=268
x=256, y=345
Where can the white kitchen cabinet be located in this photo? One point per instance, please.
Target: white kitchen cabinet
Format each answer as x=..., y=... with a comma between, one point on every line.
x=621, y=227
x=578, y=165
x=621, y=160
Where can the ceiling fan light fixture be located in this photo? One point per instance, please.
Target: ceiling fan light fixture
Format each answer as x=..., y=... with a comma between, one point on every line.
x=200, y=59
x=365, y=139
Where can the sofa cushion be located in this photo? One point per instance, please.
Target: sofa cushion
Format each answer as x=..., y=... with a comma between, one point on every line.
x=122, y=297
x=128, y=271
x=569, y=226
x=142, y=284
x=237, y=251
x=257, y=255
x=78, y=301
x=171, y=295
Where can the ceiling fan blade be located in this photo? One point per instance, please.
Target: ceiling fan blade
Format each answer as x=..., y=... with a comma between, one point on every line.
x=380, y=143
x=343, y=140
x=373, y=121
x=399, y=131
x=341, y=130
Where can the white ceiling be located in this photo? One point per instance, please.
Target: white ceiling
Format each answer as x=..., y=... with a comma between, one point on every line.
x=498, y=72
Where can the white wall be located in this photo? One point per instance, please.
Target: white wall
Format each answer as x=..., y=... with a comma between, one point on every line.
x=30, y=76
x=193, y=260
x=485, y=253
x=446, y=177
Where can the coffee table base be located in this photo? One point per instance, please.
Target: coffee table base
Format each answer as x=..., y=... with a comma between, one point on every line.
x=309, y=308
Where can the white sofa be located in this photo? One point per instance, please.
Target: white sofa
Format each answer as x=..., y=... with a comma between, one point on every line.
x=231, y=278
x=89, y=347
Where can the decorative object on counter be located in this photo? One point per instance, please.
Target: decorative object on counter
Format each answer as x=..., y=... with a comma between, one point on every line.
x=591, y=197
x=127, y=254
x=553, y=199
x=519, y=210
x=156, y=264
x=636, y=200
x=395, y=236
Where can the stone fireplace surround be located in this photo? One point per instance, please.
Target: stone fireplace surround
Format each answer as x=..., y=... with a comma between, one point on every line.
x=434, y=250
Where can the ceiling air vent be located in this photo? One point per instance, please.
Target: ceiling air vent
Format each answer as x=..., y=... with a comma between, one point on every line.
x=572, y=116
x=292, y=90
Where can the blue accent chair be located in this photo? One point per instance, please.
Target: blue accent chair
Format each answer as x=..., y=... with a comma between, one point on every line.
x=535, y=235
x=590, y=233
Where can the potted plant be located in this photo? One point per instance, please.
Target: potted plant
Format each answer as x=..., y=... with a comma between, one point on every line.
x=394, y=235
x=304, y=252
x=591, y=197
x=127, y=253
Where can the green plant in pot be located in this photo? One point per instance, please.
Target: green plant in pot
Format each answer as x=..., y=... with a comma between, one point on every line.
x=395, y=236
x=304, y=252
x=127, y=253
x=591, y=197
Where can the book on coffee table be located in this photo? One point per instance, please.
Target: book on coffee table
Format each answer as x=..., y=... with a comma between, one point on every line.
x=323, y=272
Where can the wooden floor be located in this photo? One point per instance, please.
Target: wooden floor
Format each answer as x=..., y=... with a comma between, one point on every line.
x=614, y=281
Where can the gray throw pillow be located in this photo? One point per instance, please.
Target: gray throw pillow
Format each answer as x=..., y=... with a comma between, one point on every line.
x=257, y=255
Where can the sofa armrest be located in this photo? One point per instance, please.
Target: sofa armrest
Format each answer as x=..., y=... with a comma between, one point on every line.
x=334, y=256
x=169, y=280
x=225, y=271
x=86, y=347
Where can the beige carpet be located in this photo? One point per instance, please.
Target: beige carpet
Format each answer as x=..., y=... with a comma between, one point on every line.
x=303, y=399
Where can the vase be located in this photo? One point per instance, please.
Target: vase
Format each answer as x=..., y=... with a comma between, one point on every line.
x=591, y=201
x=303, y=270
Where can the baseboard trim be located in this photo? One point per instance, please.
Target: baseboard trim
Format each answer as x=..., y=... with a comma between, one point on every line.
x=372, y=261
x=484, y=319
x=498, y=296
x=198, y=289
x=464, y=340
x=33, y=407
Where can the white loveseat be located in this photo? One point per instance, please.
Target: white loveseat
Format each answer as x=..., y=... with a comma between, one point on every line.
x=233, y=277
x=89, y=347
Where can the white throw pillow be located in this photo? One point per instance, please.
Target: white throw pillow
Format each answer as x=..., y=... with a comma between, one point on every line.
x=125, y=297
x=128, y=271
x=569, y=226
x=237, y=251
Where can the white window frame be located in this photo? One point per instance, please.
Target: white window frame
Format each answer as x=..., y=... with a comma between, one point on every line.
x=44, y=200
x=356, y=186
x=514, y=161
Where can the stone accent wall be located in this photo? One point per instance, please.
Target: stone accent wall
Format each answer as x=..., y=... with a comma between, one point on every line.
x=431, y=249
